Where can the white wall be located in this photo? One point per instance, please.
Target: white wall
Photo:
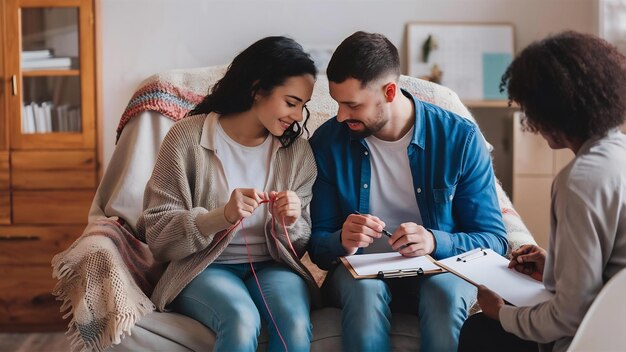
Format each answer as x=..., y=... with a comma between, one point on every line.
x=142, y=37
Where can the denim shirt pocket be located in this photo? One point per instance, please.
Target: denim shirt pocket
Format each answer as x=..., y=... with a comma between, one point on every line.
x=443, y=199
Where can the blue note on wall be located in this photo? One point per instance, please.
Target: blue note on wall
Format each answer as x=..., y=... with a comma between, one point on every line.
x=494, y=65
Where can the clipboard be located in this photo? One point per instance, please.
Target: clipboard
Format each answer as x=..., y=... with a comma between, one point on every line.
x=486, y=267
x=392, y=266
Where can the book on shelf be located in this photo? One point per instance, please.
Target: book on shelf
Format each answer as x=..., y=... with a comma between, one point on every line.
x=46, y=108
x=46, y=117
x=73, y=115
x=61, y=111
x=28, y=55
x=47, y=63
x=28, y=119
x=68, y=118
x=40, y=119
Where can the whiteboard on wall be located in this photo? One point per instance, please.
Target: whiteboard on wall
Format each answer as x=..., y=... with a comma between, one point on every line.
x=613, y=22
x=471, y=56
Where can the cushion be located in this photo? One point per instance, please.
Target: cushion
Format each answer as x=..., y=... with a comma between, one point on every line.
x=175, y=332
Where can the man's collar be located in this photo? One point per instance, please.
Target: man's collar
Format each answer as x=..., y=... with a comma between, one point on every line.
x=418, y=132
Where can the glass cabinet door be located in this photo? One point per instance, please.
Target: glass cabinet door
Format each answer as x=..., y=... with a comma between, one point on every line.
x=3, y=85
x=50, y=71
x=52, y=103
x=5, y=195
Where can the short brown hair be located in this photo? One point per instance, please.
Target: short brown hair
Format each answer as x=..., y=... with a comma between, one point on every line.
x=364, y=56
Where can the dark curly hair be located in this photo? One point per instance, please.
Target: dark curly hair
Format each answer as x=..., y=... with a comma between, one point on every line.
x=261, y=67
x=569, y=83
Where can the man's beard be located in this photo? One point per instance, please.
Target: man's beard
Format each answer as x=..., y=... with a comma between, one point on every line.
x=369, y=130
x=366, y=132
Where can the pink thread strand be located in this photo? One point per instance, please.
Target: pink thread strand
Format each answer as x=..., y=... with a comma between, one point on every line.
x=256, y=278
x=240, y=222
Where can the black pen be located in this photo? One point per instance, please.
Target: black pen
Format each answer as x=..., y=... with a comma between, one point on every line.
x=388, y=234
x=384, y=232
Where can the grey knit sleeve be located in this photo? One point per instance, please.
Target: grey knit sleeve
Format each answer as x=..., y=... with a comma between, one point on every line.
x=170, y=220
x=301, y=165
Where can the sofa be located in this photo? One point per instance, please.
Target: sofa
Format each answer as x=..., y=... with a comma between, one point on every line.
x=159, y=101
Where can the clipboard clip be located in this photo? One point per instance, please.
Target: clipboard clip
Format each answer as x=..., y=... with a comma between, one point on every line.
x=394, y=274
x=471, y=255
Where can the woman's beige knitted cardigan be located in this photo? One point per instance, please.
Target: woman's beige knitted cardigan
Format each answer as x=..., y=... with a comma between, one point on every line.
x=179, y=194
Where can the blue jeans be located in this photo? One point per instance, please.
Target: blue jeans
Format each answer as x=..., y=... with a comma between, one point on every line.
x=226, y=299
x=442, y=302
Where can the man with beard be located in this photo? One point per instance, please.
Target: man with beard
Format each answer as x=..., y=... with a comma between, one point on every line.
x=390, y=161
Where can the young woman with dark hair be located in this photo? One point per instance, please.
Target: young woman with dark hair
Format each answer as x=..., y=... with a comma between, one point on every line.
x=572, y=90
x=232, y=262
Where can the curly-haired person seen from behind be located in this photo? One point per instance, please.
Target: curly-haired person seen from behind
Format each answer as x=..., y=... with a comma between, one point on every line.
x=572, y=90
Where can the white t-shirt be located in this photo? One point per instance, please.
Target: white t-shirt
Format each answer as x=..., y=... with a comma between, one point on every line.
x=392, y=198
x=245, y=167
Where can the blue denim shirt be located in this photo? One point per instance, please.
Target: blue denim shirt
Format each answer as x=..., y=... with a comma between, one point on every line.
x=453, y=183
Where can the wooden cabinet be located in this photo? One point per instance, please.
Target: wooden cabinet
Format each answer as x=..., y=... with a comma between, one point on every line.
x=48, y=166
x=5, y=208
x=524, y=164
x=72, y=169
x=26, y=300
x=4, y=170
x=535, y=165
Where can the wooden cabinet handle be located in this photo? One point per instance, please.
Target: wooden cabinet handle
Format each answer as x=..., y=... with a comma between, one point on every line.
x=14, y=84
x=20, y=238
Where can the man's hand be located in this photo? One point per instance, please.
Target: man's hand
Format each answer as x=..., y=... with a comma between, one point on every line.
x=490, y=302
x=359, y=230
x=242, y=203
x=287, y=204
x=412, y=240
x=530, y=260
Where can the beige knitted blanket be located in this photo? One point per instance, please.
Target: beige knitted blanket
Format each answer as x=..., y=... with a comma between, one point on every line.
x=104, y=283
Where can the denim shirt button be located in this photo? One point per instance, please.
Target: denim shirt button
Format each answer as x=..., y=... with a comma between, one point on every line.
x=366, y=153
x=365, y=185
x=419, y=190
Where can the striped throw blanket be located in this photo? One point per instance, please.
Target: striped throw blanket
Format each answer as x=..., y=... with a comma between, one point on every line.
x=172, y=93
